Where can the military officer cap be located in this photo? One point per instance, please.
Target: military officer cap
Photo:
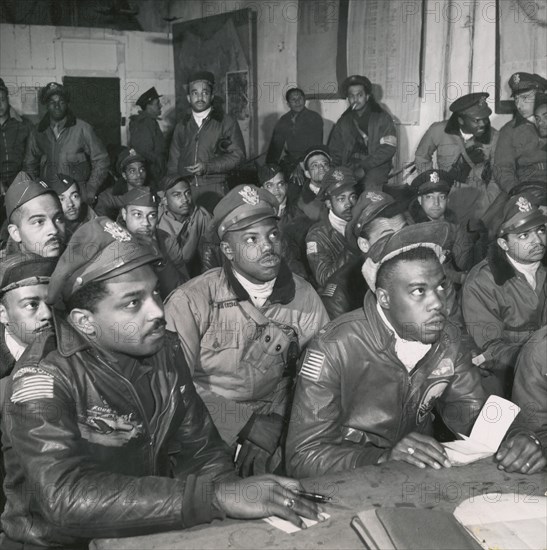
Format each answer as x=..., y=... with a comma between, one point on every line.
x=431, y=181
x=267, y=173
x=356, y=80
x=335, y=181
x=523, y=82
x=100, y=249
x=147, y=97
x=472, y=105
x=3, y=86
x=62, y=183
x=202, y=75
x=519, y=215
x=140, y=196
x=18, y=270
x=53, y=89
x=127, y=156
x=371, y=205
x=23, y=189
x=433, y=235
x=316, y=150
x=242, y=207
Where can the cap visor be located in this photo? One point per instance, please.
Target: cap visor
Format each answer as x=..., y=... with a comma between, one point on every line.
x=251, y=220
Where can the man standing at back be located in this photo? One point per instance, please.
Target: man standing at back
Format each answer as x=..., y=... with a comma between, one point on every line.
x=207, y=143
x=69, y=145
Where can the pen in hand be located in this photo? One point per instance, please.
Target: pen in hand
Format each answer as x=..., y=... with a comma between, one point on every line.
x=314, y=496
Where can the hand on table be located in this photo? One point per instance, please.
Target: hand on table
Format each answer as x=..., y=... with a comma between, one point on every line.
x=197, y=169
x=420, y=450
x=520, y=453
x=264, y=496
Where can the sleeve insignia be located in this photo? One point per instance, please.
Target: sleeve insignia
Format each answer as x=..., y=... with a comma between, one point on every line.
x=312, y=365
x=30, y=388
x=389, y=140
x=311, y=247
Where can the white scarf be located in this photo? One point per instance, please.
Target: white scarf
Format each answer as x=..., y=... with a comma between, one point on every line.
x=258, y=293
x=338, y=223
x=528, y=270
x=200, y=117
x=409, y=352
x=15, y=348
x=315, y=188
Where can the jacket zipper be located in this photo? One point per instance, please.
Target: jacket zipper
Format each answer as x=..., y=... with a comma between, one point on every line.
x=196, y=139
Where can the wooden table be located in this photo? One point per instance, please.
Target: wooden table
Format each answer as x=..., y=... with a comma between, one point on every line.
x=390, y=484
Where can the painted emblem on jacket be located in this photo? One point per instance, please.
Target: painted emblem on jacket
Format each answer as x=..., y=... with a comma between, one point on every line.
x=428, y=399
x=103, y=426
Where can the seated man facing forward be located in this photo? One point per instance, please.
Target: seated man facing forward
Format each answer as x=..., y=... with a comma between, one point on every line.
x=243, y=326
x=104, y=434
x=369, y=381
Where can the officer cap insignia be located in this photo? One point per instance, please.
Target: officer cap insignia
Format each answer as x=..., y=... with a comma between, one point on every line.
x=434, y=177
x=43, y=184
x=516, y=78
x=118, y=232
x=132, y=152
x=338, y=176
x=524, y=205
x=249, y=195
x=374, y=197
x=482, y=102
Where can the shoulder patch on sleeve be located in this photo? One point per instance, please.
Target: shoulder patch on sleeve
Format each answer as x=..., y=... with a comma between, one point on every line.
x=312, y=365
x=389, y=140
x=329, y=290
x=35, y=386
x=311, y=247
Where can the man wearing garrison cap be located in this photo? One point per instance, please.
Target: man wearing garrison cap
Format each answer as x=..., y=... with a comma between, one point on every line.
x=206, y=144
x=243, y=326
x=520, y=157
x=146, y=137
x=68, y=144
x=364, y=136
x=36, y=223
x=110, y=404
x=465, y=145
x=76, y=211
x=504, y=296
x=326, y=247
x=139, y=215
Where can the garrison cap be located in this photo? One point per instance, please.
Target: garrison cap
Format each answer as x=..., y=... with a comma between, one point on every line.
x=472, y=105
x=369, y=206
x=18, y=270
x=52, y=89
x=433, y=235
x=23, y=189
x=242, y=207
x=202, y=75
x=62, y=183
x=316, y=150
x=335, y=181
x=267, y=173
x=140, y=196
x=127, y=156
x=100, y=249
x=431, y=181
x=356, y=80
x=147, y=97
x=3, y=86
x=523, y=82
x=519, y=215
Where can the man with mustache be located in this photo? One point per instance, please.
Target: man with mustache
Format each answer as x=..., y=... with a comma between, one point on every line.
x=69, y=145
x=243, y=326
x=326, y=247
x=465, y=145
x=36, y=223
x=206, y=144
x=368, y=383
x=504, y=296
x=109, y=407
x=76, y=211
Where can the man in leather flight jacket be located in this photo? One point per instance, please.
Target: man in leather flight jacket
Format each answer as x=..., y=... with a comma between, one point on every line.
x=369, y=382
x=104, y=434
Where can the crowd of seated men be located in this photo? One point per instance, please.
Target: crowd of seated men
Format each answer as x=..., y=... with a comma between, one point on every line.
x=168, y=344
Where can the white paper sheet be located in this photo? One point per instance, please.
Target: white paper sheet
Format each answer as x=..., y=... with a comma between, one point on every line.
x=289, y=527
